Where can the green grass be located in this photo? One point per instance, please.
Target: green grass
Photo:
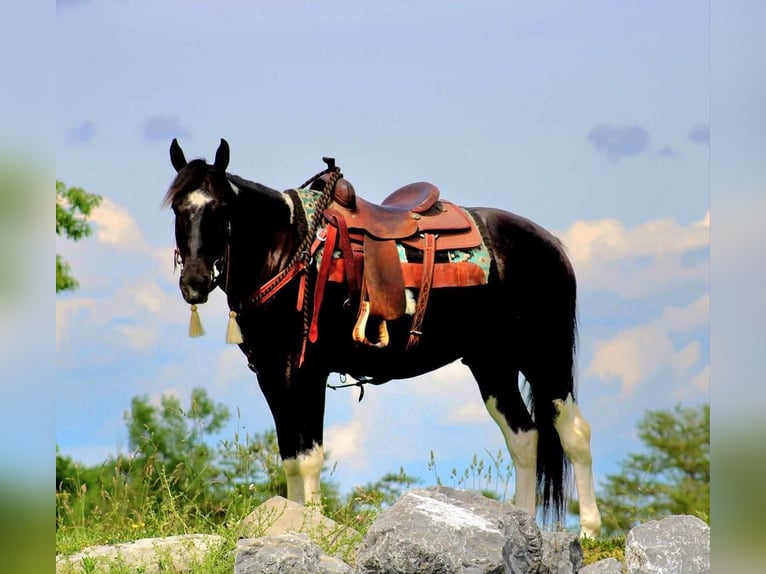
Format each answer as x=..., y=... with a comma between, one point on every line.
x=114, y=505
x=125, y=510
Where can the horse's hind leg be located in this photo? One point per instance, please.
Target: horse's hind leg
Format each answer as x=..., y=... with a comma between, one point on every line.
x=574, y=432
x=500, y=392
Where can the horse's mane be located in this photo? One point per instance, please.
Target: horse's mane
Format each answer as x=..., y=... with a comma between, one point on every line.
x=247, y=185
x=189, y=178
x=193, y=175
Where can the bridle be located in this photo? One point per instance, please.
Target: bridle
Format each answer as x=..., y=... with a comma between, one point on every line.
x=297, y=267
x=216, y=269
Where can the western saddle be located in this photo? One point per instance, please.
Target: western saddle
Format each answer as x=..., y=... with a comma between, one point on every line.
x=363, y=245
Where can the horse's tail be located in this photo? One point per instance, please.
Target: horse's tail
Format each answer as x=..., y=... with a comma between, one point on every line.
x=555, y=379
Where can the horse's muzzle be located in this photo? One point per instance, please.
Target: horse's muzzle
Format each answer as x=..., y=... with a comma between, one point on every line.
x=195, y=287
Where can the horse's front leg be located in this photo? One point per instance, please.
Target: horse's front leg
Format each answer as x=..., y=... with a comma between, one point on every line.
x=297, y=406
x=302, y=473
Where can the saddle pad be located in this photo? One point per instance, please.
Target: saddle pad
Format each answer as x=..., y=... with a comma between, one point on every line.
x=465, y=266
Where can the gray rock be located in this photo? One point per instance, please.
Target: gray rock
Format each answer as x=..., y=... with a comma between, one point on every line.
x=279, y=516
x=606, y=566
x=523, y=547
x=673, y=545
x=147, y=555
x=437, y=529
x=527, y=550
x=562, y=553
x=288, y=553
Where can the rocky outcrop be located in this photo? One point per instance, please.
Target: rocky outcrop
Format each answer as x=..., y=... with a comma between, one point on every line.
x=429, y=530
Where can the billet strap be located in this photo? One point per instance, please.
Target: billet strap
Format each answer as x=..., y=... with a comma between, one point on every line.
x=429, y=260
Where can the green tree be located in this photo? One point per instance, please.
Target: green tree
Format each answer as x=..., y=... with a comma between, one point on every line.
x=170, y=447
x=671, y=477
x=73, y=208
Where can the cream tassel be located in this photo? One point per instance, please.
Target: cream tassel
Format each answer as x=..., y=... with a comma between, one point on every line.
x=195, y=325
x=233, y=333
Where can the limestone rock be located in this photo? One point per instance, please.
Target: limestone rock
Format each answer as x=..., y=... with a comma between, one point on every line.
x=288, y=553
x=437, y=529
x=523, y=546
x=673, y=545
x=562, y=553
x=280, y=516
x=147, y=555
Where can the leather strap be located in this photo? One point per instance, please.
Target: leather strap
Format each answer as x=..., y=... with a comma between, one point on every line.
x=281, y=279
x=337, y=220
x=429, y=260
x=321, y=282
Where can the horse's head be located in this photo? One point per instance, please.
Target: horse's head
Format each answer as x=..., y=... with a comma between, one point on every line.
x=200, y=197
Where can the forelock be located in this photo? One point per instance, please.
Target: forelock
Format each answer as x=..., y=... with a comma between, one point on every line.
x=188, y=180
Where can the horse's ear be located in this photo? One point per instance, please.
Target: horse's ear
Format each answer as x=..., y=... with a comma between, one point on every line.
x=177, y=155
x=222, y=156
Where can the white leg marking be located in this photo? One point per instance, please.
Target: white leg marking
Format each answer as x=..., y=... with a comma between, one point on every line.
x=523, y=448
x=302, y=475
x=574, y=432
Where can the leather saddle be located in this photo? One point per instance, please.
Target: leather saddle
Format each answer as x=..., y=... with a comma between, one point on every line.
x=371, y=238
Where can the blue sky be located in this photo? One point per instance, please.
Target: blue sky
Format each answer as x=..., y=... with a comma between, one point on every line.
x=591, y=118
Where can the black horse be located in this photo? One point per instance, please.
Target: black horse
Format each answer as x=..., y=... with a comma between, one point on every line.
x=262, y=246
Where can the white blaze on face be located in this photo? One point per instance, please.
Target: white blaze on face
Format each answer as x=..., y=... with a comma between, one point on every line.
x=195, y=203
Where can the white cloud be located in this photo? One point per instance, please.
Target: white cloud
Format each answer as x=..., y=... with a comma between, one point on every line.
x=683, y=319
x=148, y=296
x=114, y=225
x=639, y=261
x=634, y=355
x=454, y=393
x=139, y=338
x=67, y=311
x=701, y=381
x=468, y=413
x=231, y=366
x=683, y=360
x=136, y=311
x=345, y=443
x=385, y=422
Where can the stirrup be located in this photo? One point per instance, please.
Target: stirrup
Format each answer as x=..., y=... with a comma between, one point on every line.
x=359, y=333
